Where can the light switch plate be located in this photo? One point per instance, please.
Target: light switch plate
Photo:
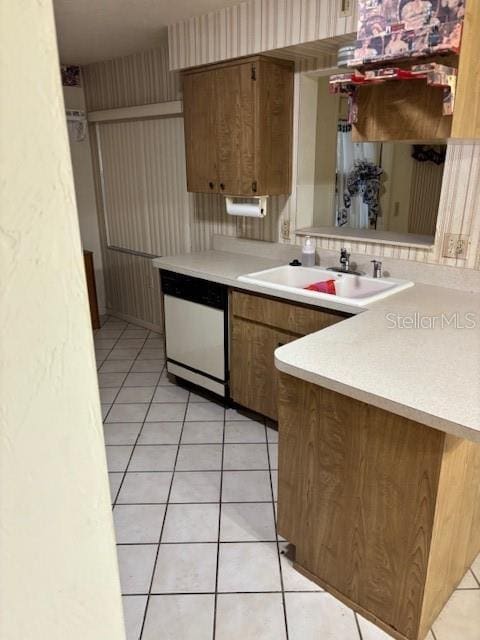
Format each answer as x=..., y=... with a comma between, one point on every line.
x=455, y=246
x=346, y=8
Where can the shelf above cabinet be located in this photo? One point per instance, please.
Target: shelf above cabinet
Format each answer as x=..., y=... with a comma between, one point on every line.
x=409, y=110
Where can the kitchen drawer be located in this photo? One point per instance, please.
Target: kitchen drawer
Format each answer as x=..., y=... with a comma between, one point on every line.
x=294, y=318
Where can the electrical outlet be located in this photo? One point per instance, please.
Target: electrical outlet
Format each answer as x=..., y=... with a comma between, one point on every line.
x=455, y=246
x=286, y=229
x=346, y=8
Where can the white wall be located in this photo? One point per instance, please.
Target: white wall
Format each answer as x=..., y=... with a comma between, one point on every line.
x=59, y=576
x=85, y=194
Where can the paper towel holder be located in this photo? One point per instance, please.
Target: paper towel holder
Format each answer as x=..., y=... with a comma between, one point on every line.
x=247, y=209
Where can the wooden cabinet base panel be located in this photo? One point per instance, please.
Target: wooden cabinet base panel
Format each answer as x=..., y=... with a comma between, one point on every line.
x=349, y=603
x=384, y=512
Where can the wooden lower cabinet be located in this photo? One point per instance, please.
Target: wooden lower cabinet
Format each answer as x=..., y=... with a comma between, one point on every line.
x=258, y=326
x=253, y=381
x=384, y=512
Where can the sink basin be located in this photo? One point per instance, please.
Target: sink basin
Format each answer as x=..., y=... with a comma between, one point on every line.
x=350, y=289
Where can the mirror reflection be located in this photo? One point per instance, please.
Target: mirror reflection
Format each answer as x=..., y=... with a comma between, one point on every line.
x=374, y=186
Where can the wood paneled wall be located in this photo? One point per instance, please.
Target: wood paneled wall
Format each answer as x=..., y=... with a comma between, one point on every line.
x=426, y=187
x=141, y=78
x=255, y=26
x=133, y=288
x=146, y=204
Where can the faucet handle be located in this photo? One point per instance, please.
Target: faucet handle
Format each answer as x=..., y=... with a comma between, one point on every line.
x=377, y=268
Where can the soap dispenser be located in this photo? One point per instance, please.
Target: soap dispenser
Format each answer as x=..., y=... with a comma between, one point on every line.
x=308, y=253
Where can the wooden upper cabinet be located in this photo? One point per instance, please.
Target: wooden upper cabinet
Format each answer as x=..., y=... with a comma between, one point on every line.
x=235, y=128
x=238, y=127
x=200, y=132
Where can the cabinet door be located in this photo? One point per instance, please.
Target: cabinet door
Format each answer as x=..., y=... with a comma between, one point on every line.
x=200, y=135
x=235, y=94
x=275, y=127
x=254, y=378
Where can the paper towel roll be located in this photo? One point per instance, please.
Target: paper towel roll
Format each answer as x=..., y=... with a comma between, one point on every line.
x=256, y=209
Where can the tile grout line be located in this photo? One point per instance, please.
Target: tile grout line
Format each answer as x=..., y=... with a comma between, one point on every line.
x=172, y=444
x=357, y=622
x=129, y=370
x=226, y=542
x=276, y=534
x=98, y=368
x=190, y=471
x=182, y=470
x=210, y=593
x=141, y=428
x=163, y=521
x=477, y=580
x=192, y=503
x=215, y=600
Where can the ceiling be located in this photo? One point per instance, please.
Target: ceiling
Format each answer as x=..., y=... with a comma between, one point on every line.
x=94, y=30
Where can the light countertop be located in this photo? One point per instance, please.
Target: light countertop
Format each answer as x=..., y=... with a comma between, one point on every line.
x=429, y=374
x=403, y=354
x=217, y=266
x=225, y=267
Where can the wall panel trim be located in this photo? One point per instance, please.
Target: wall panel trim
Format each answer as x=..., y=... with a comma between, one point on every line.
x=157, y=110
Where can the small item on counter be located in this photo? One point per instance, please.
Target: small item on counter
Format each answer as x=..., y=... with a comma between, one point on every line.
x=308, y=252
x=328, y=286
x=367, y=51
x=345, y=54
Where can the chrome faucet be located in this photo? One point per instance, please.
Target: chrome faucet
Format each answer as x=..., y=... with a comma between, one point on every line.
x=377, y=268
x=345, y=260
x=345, y=265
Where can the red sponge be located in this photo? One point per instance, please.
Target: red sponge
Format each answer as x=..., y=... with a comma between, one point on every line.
x=323, y=287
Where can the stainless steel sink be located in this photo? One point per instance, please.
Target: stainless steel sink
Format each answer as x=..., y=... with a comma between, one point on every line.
x=350, y=289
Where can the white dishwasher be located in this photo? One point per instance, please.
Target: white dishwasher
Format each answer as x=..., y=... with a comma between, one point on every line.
x=196, y=326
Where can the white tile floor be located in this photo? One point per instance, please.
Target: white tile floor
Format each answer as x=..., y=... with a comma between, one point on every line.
x=193, y=492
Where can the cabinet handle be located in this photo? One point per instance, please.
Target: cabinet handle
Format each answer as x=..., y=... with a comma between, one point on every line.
x=211, y=185
x=254, y=186
x=222, y=186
